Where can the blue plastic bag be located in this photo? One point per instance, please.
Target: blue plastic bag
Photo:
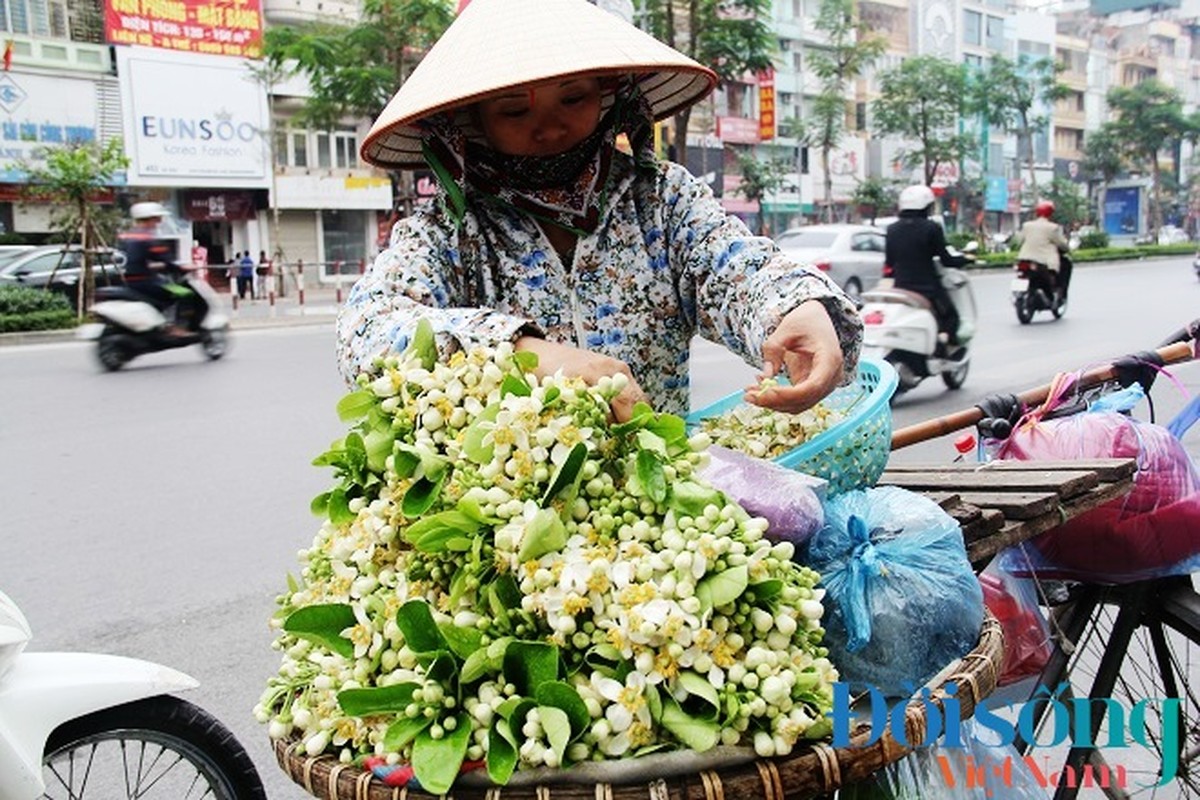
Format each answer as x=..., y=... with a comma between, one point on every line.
x=901, y=598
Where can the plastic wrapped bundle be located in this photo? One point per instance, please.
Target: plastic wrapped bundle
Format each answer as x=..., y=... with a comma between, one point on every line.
x=902, y=600
x=790, y=501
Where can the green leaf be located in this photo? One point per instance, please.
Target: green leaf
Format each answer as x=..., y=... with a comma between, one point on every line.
x=323, y=624
x=514, y=385
x=476, y=666
x=473, y=446
x=320, y=504
x=648, y=440
x=529, y=664
x=424, y=344
x=421, y=633
x=699, y=687
x=463, y=641
x=564, y=697
x=672, y=429
x=405, y=462
x=568, y=472
x=436, y=762
x=404, y=730
x=650, y=475
x=698, y=735
x=355, y=405
x=503, y=595
x=421, y=495
x=722, y=588
x=356, y=456
x=472, y=509
x=501, y=752
x=766, y=591
x=435, y=533
x=545, y=533
x=690, y=498
x=641, y=416
x=525, y=360
x=339, y=507
x=557, y=728
x=379, y=446
x=377, y=699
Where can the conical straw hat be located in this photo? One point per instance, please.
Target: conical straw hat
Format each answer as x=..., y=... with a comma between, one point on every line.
x=498, y=44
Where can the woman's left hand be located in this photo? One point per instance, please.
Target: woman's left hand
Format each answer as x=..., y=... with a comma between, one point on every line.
x=805, y=346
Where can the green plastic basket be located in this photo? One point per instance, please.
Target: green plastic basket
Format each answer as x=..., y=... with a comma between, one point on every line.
x=853, y=453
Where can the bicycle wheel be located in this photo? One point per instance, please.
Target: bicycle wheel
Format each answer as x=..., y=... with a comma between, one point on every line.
x=159, y=747
x=1140, y=643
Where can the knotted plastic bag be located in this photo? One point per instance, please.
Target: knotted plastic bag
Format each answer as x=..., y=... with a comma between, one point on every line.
x=789, y=500
x=1013, y=602
x=1151, y=532
x=901, y=598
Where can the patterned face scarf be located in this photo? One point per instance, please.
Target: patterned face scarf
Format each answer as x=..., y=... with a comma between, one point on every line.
x=568, y=189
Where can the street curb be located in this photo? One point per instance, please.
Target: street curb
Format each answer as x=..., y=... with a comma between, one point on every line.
x=249, y=323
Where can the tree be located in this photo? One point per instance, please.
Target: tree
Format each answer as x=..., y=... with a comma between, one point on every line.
x=353, y=70
x=731, y=37
x=921, y=100
x=70, y=178
x=1102, y=161
x=759, y=179
x=875, y=193
x=1014, y=95
x=850, y=50
x=1070, y=206
x=1148, y=119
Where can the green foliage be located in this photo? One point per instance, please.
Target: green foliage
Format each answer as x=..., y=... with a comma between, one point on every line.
x=354, y=70
x=759, y=178
x=12, y=238
x=959, y=239
x=1093, y=240
x=25, y=309
x=876, y=194
x=920, y=101
x=1070, y=206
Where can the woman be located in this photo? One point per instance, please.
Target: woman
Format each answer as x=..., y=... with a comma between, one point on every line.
x=547, y=234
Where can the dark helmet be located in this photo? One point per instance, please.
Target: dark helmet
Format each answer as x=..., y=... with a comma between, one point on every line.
x=1044, y=209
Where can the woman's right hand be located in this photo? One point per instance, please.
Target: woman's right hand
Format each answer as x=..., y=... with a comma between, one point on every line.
x=554, y=357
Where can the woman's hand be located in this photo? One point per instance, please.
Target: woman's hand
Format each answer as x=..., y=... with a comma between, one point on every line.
x=553, y=357
x=806, y=347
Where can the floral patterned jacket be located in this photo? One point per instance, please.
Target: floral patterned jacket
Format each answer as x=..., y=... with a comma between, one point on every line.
x=666, y=262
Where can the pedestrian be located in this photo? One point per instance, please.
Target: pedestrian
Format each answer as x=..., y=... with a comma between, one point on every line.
x=245, y=279
x=262, y=274
x=546, y=233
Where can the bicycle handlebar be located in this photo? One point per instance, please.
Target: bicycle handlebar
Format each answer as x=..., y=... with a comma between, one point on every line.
x=1175, y=351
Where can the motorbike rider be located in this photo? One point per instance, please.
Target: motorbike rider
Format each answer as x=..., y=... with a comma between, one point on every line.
x=912, y=243
x=149, y=257
x=1042, y=242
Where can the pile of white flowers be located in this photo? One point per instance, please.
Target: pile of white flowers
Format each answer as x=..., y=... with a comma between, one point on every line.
x=766, y=433
x=505, y=576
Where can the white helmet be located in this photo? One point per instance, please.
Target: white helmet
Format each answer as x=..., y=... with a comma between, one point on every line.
x=916, y=198
x=147, y=210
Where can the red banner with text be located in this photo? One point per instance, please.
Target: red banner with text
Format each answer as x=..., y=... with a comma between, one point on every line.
x=766, y=105
x=215, y=27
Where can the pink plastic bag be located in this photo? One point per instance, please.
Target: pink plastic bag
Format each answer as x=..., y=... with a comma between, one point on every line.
x=1151, y=532
x=1013, y=601
x=790, y=501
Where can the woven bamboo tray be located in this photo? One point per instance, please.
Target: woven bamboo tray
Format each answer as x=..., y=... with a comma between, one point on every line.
x=808, y=772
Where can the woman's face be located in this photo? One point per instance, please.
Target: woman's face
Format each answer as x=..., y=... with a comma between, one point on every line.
x=543, y=120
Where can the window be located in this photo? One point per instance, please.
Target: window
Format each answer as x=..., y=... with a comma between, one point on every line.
x=972, y=28
x=324, y=161
x=345, y=238
x=860, y=116
x=345, y=149
x=299, y=156
x=995, y=33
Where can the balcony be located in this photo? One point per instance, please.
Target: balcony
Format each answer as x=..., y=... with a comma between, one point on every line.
x=60, y=54
x=299, y=12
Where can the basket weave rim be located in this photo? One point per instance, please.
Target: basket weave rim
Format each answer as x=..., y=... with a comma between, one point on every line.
x=811, y=770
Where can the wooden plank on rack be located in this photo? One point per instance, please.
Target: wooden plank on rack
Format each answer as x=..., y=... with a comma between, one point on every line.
x=1067, y=483
x=1015, y=505
x=1107, y=469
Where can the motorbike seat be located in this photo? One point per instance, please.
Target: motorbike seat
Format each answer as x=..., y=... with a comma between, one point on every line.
x=901, y=296
x=118, y=293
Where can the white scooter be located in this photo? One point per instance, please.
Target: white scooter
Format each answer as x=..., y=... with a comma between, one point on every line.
x=899, y=326
x=131, y=326
x=83, y=725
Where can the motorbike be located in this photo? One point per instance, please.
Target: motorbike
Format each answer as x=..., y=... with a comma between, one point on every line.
x=87, y=725
x=1035, y=288
x=1196, y=265
x=130, y=325
x=900, y=327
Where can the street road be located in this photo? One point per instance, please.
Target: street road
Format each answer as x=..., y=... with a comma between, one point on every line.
x=155, y=512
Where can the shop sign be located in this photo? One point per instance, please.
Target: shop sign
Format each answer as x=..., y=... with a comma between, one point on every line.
x=737, y=130
x=39, y=111
x=766, y=105
x=193, y=120
x=217, y=206
x=213, y=27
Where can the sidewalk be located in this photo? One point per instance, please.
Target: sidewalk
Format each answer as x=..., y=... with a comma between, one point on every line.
x=319, y=307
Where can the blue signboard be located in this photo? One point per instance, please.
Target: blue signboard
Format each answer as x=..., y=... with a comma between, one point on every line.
x=996, y=195
x=1121, y=210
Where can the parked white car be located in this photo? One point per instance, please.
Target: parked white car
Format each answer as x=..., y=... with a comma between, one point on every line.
x=852, y=255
